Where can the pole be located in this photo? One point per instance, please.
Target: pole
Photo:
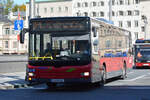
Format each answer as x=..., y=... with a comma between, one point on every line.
x=32, y=9
x=110, y=10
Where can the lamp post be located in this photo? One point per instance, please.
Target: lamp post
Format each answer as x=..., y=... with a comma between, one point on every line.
x=144, y=18
x=110, y=10
x=32, y=9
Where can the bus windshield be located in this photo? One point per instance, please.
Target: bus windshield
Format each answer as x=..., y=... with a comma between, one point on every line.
x=45, y=47
x=142, y=52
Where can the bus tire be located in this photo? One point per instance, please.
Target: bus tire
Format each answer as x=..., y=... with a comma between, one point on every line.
x=104, y=75
x=124, y=71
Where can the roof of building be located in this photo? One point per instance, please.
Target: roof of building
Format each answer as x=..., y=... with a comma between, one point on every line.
x=27, y=1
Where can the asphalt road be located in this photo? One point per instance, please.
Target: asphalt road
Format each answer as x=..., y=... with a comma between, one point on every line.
x=13, y=63
x=135, y=87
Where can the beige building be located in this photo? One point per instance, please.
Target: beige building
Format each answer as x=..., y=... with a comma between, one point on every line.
x=9, y=40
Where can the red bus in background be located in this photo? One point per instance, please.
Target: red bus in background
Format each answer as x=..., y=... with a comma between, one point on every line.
x=142, y=53
x=73, y=50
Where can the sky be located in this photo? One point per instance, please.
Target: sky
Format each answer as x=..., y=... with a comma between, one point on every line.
x=19, y=2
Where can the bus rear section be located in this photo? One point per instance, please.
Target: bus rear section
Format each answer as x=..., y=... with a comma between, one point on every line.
x=142, y=53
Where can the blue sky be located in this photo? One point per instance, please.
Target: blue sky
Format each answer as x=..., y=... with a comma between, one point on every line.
x=19, y=2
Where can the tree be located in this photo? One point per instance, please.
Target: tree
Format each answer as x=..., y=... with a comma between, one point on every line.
x=7, y=4
x=21, y=8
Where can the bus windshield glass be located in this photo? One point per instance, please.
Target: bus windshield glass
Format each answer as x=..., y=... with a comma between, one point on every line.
x=45, y=47
x=142, y=52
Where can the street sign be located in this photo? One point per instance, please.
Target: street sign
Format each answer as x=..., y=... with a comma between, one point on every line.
x=18, y=24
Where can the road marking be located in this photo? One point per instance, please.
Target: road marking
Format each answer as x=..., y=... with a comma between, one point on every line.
x=135, y=78
x=130, y=73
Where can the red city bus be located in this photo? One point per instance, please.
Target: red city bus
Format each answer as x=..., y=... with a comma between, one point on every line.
x=76, y=50
x=142, y=53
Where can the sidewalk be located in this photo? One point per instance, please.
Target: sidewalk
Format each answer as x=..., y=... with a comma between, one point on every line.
x=12, y=80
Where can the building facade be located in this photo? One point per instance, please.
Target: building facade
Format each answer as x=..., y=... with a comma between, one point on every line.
x=125, y=13
x=145, y=18
x=50, y=8
x=9, y=38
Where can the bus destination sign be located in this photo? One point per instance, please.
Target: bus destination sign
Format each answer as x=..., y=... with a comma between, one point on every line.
x=59, y=26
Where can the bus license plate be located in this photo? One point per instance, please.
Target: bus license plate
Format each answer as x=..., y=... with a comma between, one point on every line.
x=57, y=80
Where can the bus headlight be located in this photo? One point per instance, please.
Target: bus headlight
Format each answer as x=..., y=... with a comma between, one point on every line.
x=85, y=74
x=31, y=74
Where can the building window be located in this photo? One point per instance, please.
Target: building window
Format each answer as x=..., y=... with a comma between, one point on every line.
x=78, y=14
x=136, y=12
x=136, y=23
x=129, y=13
x=93, y=14
x=121, y=13
x=66, y=9
x=119, y=44
x=85, y=14
x=121, y=2
x=120, y=24
x=101, y=14
x=136, y=1
x=15, y=44
x=52, y=10
x=128, y=2
x=13, y=32
x=128, y=23
x=93, y=4
x=113, y=13
x=45, y=10
x=107, y=44
x=136, y=35
x=6, y=44
x=78, y=4
x=113, y=2
x=85, y=4
x=7, y=31
x=37, y=10
x=59, y=9
x=101, y=3
x=143, y=29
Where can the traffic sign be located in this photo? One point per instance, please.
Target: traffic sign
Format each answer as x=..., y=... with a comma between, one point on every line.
x=18, y=24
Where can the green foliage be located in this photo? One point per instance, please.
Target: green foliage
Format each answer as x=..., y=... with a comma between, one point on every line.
x=20, y=7
x=7, y=4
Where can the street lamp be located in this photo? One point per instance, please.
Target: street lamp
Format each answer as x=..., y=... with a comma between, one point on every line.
x=144, y=18
x=110, y=10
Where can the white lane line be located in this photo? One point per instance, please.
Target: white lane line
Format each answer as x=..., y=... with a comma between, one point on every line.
x=130, y=73
x=135, y=78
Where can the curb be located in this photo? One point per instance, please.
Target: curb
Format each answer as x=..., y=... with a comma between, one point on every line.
x=5, y=87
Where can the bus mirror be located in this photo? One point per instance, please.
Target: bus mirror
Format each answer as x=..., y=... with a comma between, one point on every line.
x=22, y=35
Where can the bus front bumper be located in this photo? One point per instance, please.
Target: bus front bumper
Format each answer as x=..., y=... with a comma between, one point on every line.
x=142, y=64
x=72, y=80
